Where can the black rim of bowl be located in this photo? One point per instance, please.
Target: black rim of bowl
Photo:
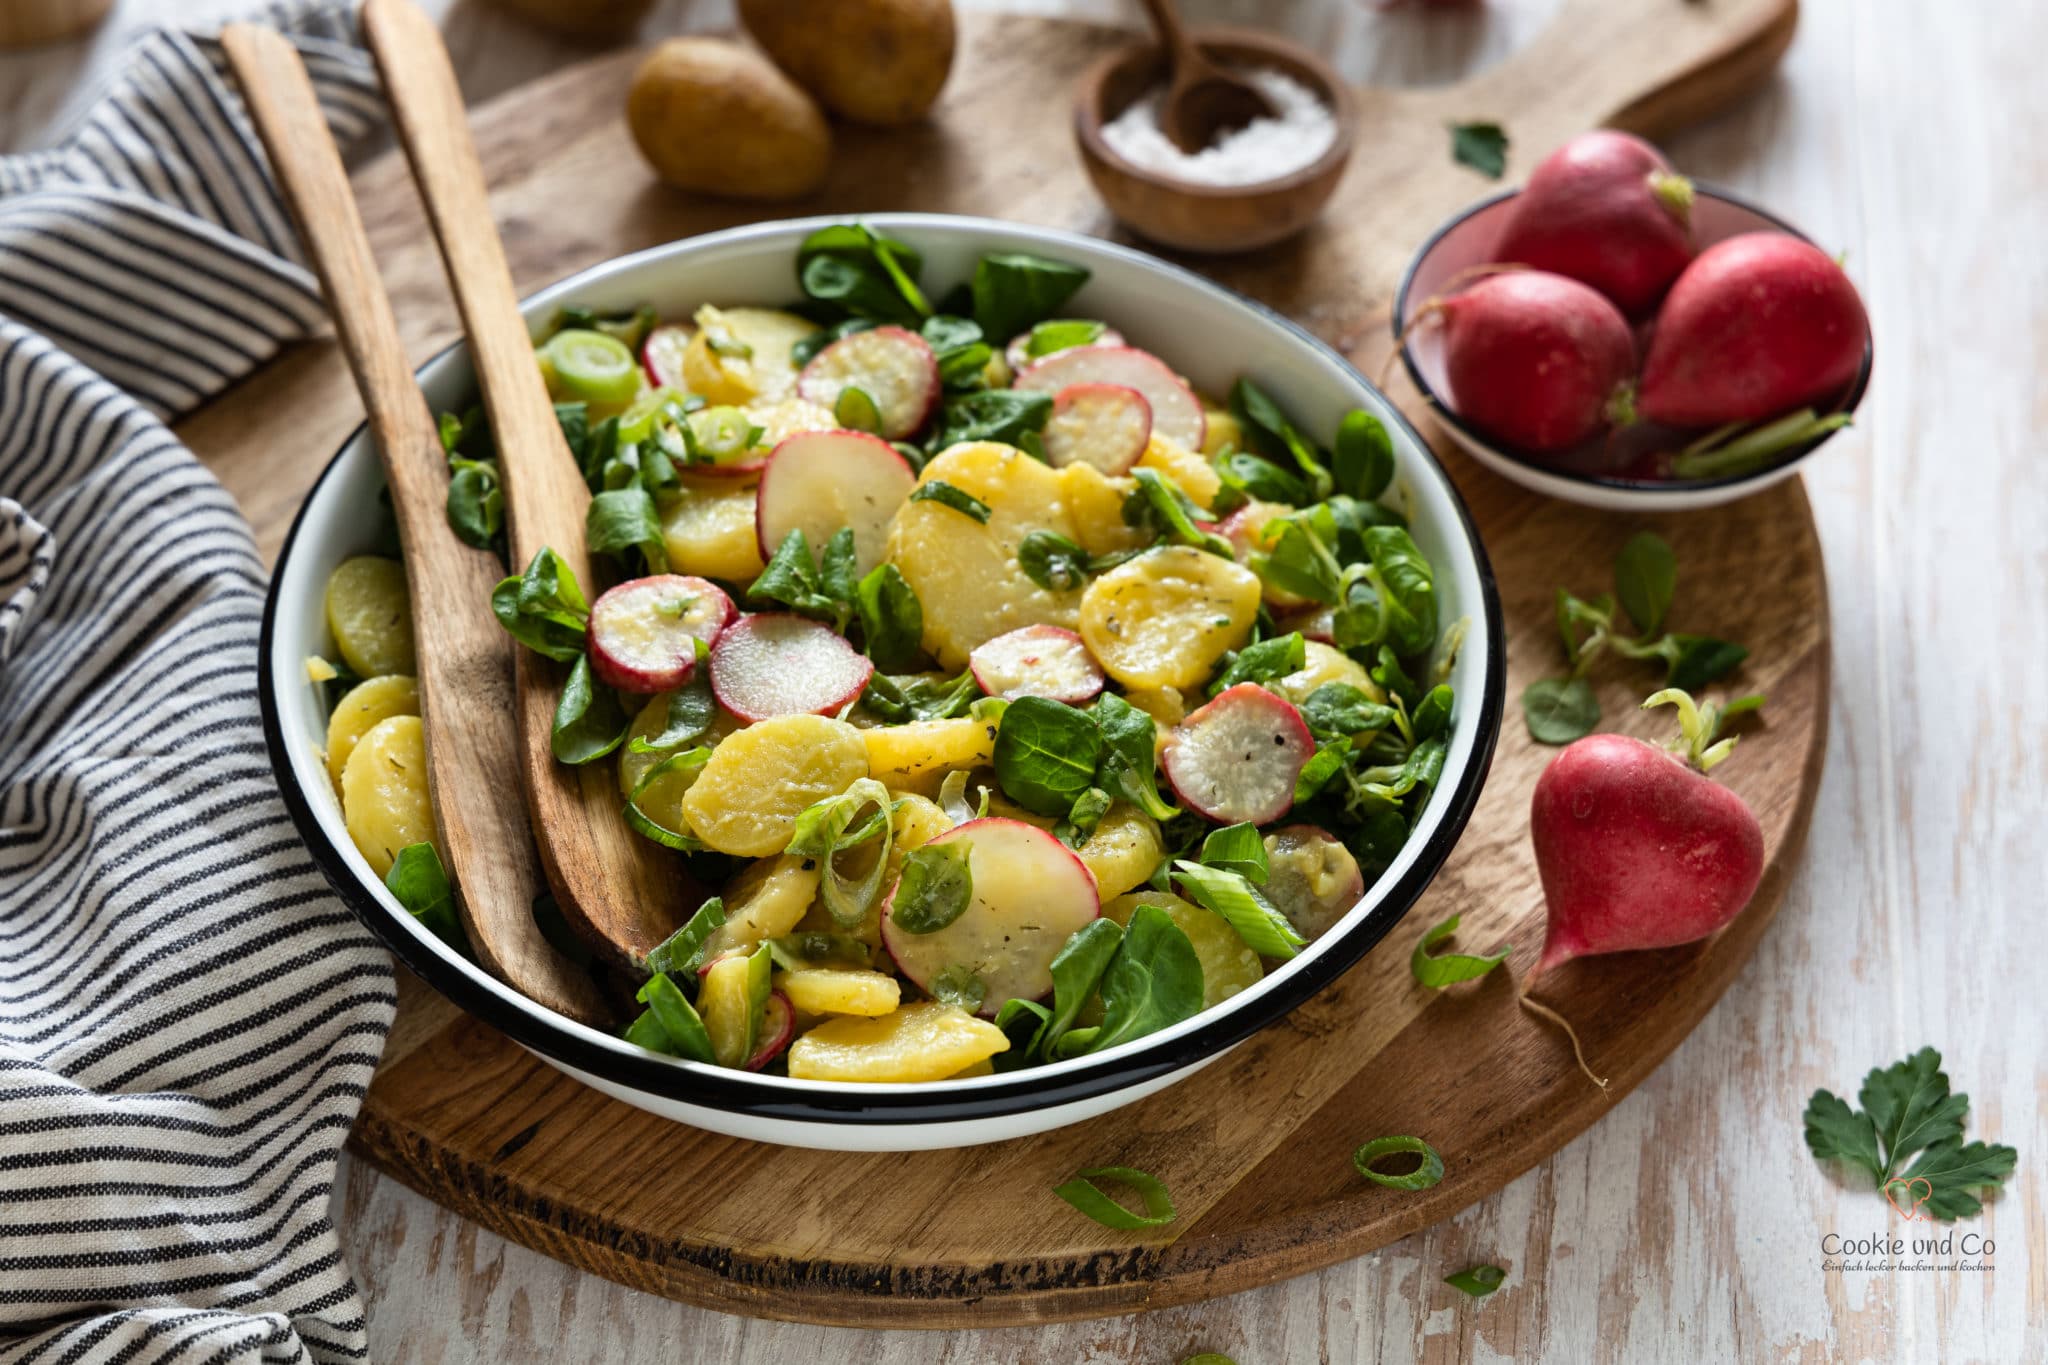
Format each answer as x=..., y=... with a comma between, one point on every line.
x=1025, y=1091
x=1442, y=410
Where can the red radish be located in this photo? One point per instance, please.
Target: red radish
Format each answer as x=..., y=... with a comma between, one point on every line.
x=644, y=634
x=661, y=355
x=1245, y=529
x=1036, y=661
x=1237, y=758
x=1311, y=878
x=1017, y=355
x=1605, y=209
x=1030, y=895
x=1638, y=848
x=1316, y=623
x=1536, y=360
x=819, y=481
x=1759, y=325
x=1176, y=412
x=778, y=1026
x=893, y=367
x=1106, y=425
x=776, y=664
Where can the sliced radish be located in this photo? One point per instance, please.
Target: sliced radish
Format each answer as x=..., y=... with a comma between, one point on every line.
x=1236, y=758
x=819, y=481
x=894, y=368
x=1031, y=894
x=1106, y=425
x=778, y=1026
x=644, y=634
x=775, y=664
x=1176, y=412
x=1311, y=878
x=661, y=355
x=1037, y=661
x=1017, y=355
x=1316, y=623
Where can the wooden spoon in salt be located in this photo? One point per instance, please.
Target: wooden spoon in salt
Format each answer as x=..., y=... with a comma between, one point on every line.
x=1203, y=102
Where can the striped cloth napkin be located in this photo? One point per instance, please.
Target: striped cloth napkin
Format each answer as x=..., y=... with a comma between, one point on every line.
x=188, y=1017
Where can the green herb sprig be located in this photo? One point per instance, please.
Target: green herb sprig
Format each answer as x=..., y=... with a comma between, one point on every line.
x=1908, y=1108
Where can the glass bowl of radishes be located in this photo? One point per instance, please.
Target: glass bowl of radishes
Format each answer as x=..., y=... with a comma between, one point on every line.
x=1050, y=666
x=1616, y=335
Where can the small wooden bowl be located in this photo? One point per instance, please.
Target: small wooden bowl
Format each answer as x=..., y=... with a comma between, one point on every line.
x=1209, y=218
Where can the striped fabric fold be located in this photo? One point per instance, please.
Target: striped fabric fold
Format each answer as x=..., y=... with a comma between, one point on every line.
x=188, y=1017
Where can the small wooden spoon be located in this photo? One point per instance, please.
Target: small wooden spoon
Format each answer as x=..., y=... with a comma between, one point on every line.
x=621, y=892
x=1203, y=102
x=464, y=657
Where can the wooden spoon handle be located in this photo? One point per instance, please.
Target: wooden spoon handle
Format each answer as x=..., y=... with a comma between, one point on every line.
x=622, y=892
x=465, y=658
x=1165, y=14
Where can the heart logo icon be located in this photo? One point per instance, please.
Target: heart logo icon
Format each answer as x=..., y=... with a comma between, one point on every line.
x=1919, y=1186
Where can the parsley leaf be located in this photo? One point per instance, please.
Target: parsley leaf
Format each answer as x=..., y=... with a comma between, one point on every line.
x=1954, y=1168
x=1908, y=1108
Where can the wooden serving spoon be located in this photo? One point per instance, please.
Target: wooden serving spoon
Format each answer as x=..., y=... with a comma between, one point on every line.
x=623, y=893
x=1203, y=102
x=464, y=657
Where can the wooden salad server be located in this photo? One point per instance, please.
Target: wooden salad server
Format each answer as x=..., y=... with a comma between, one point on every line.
x=464, y=656
x=1203, y=102
x=622, y=892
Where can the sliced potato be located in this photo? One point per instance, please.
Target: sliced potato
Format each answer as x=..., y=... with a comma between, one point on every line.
x=1228, y=963
x=784, y=417
x=966, y=573
x=927, y=1041
x=747, y=798
x=369, y=701
x=1196, y=476
x=723, y=1000
x=1095, y=504
x=369, y=612
x=384, y=791
x=835, y=990
x=663, y=800
x=899, y=753
x=707, y=526
x=1223, y=431
x=1123, y=851
x=1166, y=618
x=1325, y=664
x=741, y=356
x=1165, y=705
x=765, y=901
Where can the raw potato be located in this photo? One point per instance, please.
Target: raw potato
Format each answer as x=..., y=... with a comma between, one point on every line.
x=756, y=368
x=873, y=61
x=384, y=792
x=1228, y=963
x=1196, y=476
x=834, y=990
x=707, y=525
x=369, y=613
x=713, y=116
x=1325, y=664
x=369, y=701
x=759, y=780
x=1123, y=851
x=928, y=1041
x=765, y=901
x=1166, y=618
x=899, y=753
x=1095, y=504
x=965, y=573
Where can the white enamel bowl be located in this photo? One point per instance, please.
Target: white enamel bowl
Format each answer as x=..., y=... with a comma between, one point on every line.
x=1467, y=241
x=1205, y=330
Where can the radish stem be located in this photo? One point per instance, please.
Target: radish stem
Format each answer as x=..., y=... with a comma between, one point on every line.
x=1545, y=1012
x=1750, y=451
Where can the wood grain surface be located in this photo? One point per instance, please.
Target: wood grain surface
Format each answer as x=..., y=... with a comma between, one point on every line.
x=1686, y=1224
x=465, y=698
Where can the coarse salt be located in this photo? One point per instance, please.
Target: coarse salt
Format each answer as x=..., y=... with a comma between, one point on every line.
x=1264, y=149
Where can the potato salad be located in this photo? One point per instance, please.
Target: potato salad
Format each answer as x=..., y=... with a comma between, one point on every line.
x=1017, y=699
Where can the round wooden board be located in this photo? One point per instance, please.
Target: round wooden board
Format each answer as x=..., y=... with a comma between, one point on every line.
x=1256, y=1149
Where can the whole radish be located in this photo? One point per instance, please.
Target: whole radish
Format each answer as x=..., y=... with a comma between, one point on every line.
x=1639, y=848
x=1605, y=209
x=1758, y=325
x=1534, y=359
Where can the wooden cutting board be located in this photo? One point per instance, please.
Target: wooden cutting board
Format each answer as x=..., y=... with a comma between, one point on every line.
x=1256, y=1149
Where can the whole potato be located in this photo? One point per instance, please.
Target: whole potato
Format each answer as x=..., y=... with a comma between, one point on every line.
x=714, y=116
x=873, y=61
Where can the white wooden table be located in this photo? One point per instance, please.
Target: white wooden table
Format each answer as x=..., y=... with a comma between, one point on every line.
x=1688, y=1224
